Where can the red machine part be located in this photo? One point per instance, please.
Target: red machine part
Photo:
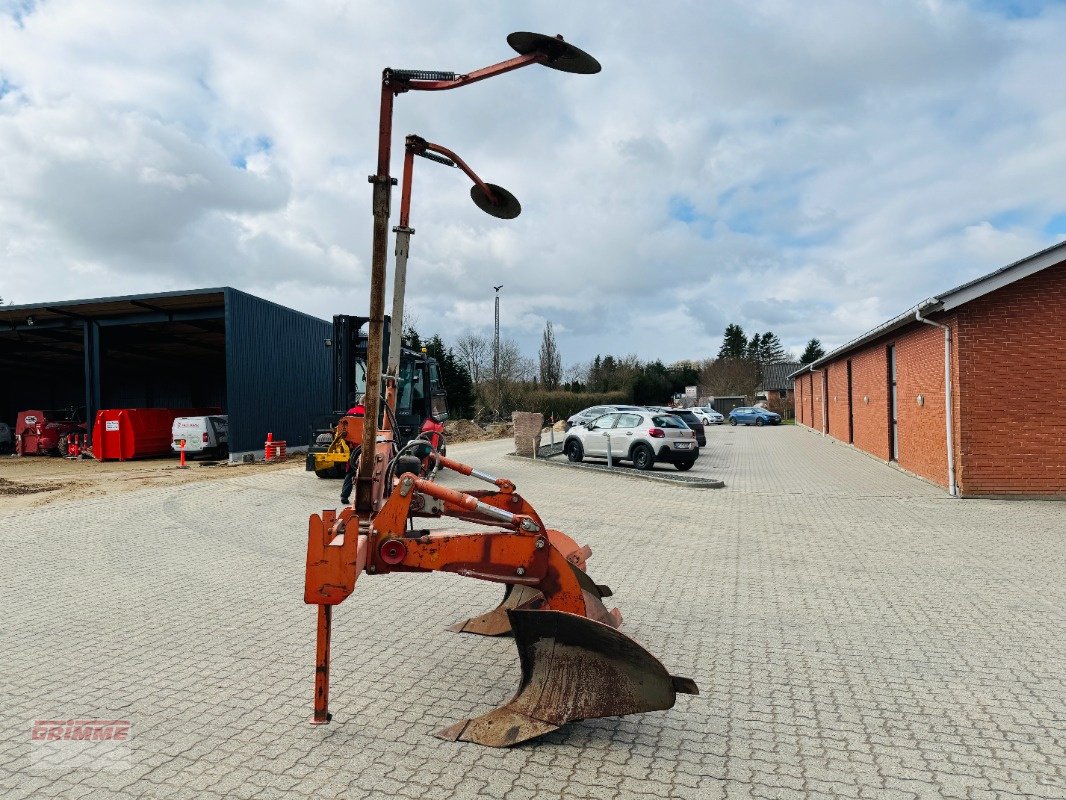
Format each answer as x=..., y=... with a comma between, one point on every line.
x=45, y=432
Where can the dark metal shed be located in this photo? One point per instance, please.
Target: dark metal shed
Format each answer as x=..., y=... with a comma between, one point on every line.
x=266, y=365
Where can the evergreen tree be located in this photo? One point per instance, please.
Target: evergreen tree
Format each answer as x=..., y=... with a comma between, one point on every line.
x=752, y=352
x=813, y=352
x=411, y=338
x=551, y=363
x=454, y=375
x=734, y=342
x=771, y=351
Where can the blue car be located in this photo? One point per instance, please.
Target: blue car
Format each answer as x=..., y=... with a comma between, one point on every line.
x=753, y=415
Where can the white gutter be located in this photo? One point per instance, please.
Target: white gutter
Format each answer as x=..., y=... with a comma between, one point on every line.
x=952, y=487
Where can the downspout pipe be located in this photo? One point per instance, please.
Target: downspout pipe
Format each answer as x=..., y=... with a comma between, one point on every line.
x=948, y=423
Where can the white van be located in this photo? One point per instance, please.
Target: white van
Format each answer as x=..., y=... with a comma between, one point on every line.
x=202, y=435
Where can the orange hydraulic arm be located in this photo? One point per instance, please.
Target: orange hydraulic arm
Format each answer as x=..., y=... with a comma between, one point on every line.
x=505, y=498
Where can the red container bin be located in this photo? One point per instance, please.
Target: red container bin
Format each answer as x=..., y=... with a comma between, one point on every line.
x=124, y=433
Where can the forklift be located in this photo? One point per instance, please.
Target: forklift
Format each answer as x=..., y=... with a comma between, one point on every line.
x=420, y=396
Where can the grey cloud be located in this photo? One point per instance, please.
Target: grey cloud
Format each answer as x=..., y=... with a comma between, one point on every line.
x=841, y=161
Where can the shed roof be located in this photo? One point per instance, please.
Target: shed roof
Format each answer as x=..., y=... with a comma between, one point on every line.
x=95, y=308
x=953, y=298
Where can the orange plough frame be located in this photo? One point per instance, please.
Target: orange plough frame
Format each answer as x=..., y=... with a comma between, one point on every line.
x=544, y=572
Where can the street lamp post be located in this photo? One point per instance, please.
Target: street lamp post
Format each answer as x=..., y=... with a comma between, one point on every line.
x=533, y=48
x=496, y=339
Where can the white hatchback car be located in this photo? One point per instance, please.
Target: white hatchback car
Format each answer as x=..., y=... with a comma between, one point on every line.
x=591, y=413
x=642, y=437
x=707, y=415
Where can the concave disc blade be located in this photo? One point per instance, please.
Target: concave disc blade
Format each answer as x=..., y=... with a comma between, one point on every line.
x=561, y=55
x=506, y=206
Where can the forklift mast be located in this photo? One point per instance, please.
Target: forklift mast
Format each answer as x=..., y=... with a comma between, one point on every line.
x=349, y=355
x=420, y=390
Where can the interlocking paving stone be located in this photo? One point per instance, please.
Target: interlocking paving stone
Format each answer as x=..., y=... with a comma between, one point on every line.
x=855, y=633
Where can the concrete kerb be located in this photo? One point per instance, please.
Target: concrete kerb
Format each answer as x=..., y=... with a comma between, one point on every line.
x=662, y=477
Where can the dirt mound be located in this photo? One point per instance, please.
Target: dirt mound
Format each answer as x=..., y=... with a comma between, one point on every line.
x=465, y=430
x=499, y=430
x=14, y=487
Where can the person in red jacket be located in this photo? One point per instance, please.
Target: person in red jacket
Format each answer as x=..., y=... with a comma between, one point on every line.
x=358, y=410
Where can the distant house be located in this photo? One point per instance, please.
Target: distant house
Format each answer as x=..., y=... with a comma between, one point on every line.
x=776, y=386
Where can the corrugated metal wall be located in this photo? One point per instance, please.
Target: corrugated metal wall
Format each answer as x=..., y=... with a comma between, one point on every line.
x=277, y=371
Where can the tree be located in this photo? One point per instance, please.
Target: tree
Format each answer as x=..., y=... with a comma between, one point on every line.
x=771, y=351
x=476, y=352
x=752, y=351
x=813, y=352
x=577, y=375
x=551, y=363
x=411, y=338
x=725, y=377
x=456, y=379
x=734, y=342
x=683, y=374
x=513, y=365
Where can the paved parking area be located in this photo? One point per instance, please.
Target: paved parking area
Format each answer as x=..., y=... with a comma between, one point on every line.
x=855, y=633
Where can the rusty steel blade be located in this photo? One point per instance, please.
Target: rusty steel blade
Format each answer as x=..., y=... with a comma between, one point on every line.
x=496, y=623
x=573, y=668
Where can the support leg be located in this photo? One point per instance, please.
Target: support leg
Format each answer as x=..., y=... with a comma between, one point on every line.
x=322, y=715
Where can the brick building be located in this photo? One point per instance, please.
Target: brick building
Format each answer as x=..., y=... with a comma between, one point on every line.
x=998, y=345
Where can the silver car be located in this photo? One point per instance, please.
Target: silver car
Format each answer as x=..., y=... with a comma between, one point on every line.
x=591, y=413
x=641, y=437
x=707, y=415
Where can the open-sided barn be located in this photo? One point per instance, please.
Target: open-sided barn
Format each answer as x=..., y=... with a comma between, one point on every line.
x=265, y=365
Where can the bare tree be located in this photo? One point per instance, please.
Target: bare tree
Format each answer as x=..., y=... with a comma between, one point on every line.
x=551, y=363
x=513, y=365
x=577, y=373
x=476, y=352
x=729, y=377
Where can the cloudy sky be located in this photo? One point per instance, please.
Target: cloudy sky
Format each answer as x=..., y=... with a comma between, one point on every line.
x=808, y=168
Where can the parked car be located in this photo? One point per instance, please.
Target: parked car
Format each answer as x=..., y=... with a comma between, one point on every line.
x=208, y=434
x=690, y=419
x=753, y=415
x=640, y=437
x=7, y=438
x=593, y=412
x=708, y=415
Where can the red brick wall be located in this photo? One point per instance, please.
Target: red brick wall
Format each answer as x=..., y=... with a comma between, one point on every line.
x=1012, y=373
x=920, y=372
x=869, y=387
x=818, y=395
x=837, y=398
x=821, y=399
x=802, y=396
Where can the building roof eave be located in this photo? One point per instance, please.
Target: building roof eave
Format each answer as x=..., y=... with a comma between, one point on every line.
x=928, y=306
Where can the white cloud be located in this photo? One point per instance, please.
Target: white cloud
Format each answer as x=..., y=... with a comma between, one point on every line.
x=826, y=168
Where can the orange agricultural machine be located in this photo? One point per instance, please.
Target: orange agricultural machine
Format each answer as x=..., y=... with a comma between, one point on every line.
x=575, y=663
